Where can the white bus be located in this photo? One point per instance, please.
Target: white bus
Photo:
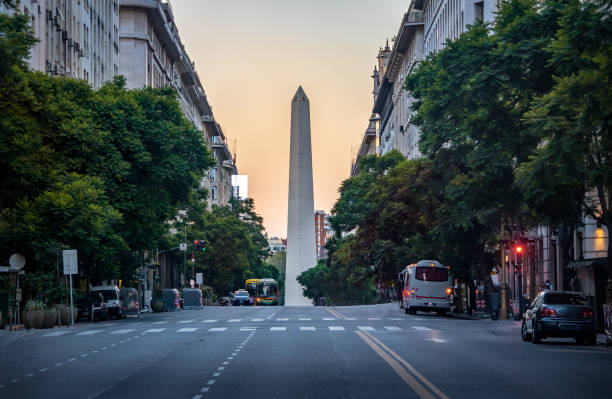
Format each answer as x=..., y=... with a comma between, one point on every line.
x=425, y=286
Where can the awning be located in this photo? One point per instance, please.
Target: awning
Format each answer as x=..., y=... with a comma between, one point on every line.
x=587, y=263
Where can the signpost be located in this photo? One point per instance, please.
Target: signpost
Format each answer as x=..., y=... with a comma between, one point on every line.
x=70, y=267
x=199, y=278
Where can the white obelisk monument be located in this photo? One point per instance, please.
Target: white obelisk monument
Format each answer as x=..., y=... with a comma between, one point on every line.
x=301, y=252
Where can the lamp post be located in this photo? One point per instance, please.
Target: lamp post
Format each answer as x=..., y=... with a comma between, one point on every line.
x=185, y=252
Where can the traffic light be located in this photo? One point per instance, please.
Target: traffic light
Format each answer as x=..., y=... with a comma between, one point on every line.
x=199, y=245
x=518, y=250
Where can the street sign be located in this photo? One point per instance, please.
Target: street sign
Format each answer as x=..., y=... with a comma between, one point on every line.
x=199, y=278
x=70, y=261
x=183, y=246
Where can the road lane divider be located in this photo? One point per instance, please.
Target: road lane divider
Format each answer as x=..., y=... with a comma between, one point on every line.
x=408, y=366
x=336, y=313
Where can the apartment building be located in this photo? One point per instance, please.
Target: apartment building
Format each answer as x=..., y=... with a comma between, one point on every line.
x=77, y=38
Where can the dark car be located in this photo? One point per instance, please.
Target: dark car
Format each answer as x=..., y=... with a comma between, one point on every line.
x=92, y=307
x=559, y=314
x=241, y=298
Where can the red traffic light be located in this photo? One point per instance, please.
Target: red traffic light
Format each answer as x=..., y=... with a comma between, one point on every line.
x=196, y=242
x=518, y=249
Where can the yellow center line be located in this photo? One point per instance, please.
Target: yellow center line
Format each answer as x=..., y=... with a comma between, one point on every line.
x=404, y=375
x=409, y=367
x=335, y=313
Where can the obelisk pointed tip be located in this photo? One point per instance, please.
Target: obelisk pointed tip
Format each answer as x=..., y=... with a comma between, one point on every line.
x=300, y=94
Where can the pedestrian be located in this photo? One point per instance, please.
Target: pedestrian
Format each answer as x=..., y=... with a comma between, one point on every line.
x=549, y=286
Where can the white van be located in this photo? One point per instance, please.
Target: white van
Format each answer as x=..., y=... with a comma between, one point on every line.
x=425, y=286
x=111, y=299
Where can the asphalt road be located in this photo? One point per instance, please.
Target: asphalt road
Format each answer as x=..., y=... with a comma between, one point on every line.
x=283, y=352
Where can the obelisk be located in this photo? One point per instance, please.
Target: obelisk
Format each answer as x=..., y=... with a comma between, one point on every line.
x=301, y=253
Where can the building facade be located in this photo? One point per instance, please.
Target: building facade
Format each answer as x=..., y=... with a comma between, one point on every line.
x=323, y=232
x=77, y=38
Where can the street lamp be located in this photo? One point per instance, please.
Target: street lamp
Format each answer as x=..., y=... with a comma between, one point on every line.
x=185, y=252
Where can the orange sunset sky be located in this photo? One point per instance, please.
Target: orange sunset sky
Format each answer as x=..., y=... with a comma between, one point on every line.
x=251, y=56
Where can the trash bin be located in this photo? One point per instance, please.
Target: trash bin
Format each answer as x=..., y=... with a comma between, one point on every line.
x=192, y=298
x=171, y=299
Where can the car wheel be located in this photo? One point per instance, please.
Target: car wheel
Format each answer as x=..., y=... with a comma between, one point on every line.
x=536, y=337
x=524, y=334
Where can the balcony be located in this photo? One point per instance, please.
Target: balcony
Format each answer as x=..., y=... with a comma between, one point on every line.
x=217, y=141
x=228, y=164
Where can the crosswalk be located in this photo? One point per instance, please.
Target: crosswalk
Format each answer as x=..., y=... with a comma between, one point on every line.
x=158, y=330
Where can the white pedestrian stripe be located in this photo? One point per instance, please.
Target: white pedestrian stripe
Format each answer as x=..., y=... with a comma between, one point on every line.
x=155, y=330
x=440, y=341
x=234, y=320
x=373, y=318
x=350, y=318
x=393, y=328
x=123, y=331
x=55, y=334
x=205, y=389
x=248, y=328
x=90, y=332
x=367, y=328
x=304, y=318
x=217, y=329
x=282, y=319
x=421, y=328
x=210, y=321
x=186, y=321
x=160, y=322
x=192, y=329
x=336, y=328
x=329, y=318
x=210, y=382
x=257, y=319
x=278, y=328
x=307, y=328
x=394, y=318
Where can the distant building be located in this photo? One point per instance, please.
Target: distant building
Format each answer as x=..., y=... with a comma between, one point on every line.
x=276, y=244
x=240, y=186
x=78, y=39
x=323, y=232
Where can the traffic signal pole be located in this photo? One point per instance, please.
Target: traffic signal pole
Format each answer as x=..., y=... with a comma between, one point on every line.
x=503, y=309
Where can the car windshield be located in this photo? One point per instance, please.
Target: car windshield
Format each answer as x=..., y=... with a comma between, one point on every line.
x=242, y=294
x=91, y=298
x=431, y=274
x=266, y=290
x=565, y=299
x=109, y=295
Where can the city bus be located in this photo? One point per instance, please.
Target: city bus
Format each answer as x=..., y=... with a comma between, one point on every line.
x=426, y=286
x=267, y=292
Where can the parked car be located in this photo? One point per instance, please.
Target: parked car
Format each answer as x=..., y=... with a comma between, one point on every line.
x=111, y=299
x=129, y=302
x=241, y=297
x=192, y=298
x=92, y=307
x=559, y=314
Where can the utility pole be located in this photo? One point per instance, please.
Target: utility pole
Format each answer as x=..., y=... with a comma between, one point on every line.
x=503, y=309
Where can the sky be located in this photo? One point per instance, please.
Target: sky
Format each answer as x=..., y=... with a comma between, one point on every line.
x=252, y=55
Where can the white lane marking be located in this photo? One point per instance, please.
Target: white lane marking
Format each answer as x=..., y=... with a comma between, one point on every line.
x=58, y=364
x=230, y=358
x=257, y=319
x=336, y=328
x=104, y=348
x=440, y=341
x=210, y=321
x=30, y=375
x=84, y=355
x=417, y=319
x=186, y=321
x=113, y=344
x=15, y=380
x=278, y=328
x=234, y=354
x=216, y=374
x=283, y=319
x=350, y=318
x=191, y=329
x=366, y=328
x=329, y=318
x=373, y=318
x=94, y=351
x=55, y=334
x=1, y=386
x=307, y=328
x=43, y=370
x=248, y=328
x=210, y=382
x=217, y=329
x=221, y=368
x=304, y=318
x=226, y=363
x=71, y=359
x=234, y=320
x=154, y=330
x=197, y=397
x=392, y=328
x=205, y=389
x=91, y=332
x=122, y=342
x=160, y=322
x=123, y=331
x=421, y=328
x=237, y=350
x=394, y=318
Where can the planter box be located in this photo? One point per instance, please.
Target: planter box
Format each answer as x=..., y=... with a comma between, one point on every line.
x=33, y=319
